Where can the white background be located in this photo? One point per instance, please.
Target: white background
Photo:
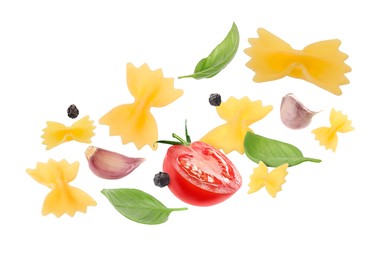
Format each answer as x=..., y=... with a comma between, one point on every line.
x=55, y=53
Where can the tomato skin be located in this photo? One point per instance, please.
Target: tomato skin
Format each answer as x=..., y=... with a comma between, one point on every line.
x=192, y=191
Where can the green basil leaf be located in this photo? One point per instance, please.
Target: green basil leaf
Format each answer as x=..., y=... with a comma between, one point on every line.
x=139, y=206
x=219, y=58
x=273, y=152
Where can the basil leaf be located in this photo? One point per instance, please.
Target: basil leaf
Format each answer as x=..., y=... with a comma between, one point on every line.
x=219, y=58
x=139, y=206
x=272, y=152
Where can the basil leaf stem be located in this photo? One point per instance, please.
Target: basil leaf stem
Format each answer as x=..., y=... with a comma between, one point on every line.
x=139, y=206
x=273, y=152
x=219, y=58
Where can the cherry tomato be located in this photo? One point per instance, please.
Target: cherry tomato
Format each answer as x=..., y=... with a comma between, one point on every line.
x=200, y=174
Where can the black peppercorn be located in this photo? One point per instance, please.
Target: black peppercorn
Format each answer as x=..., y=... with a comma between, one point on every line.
x=215, y=99
x=161, y=179
x=72, y=111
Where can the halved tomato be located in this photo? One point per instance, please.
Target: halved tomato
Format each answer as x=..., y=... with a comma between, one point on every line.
x=200, y=174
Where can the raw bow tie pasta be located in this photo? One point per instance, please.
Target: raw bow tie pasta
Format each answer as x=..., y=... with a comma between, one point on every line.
x=239, y=114
x=271, y=181
x=63, y=198
x=320, y=63
x=57, y=133
x=134, y=122
x=327, y=136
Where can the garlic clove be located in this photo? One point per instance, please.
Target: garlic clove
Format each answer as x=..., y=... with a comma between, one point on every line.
x=294, y=114
x=110, y=165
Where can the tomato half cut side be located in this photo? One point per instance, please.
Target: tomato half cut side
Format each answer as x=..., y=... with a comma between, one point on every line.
x=200, y=174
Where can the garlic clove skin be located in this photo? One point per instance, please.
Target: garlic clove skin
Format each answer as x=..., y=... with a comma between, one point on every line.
x=110, y=165
x=294, y=114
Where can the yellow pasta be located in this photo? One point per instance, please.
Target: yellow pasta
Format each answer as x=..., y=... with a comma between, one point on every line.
x=320, y=63
x=239, y=114
x=56, y=133
x=134, y=122
x=63, y=198
x=327, y=136
x=271, y=181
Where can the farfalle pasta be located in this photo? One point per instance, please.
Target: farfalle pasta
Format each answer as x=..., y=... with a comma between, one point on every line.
x=320, y=63
x=239, y=114
x=327, y=136
x=63, y=198
x=271, y=181
x=134, y=122
x=56, y=133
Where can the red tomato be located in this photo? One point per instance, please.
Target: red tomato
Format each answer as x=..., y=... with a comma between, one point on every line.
x=200, y=174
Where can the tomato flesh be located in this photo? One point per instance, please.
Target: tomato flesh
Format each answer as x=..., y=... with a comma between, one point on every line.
x=200, y=174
